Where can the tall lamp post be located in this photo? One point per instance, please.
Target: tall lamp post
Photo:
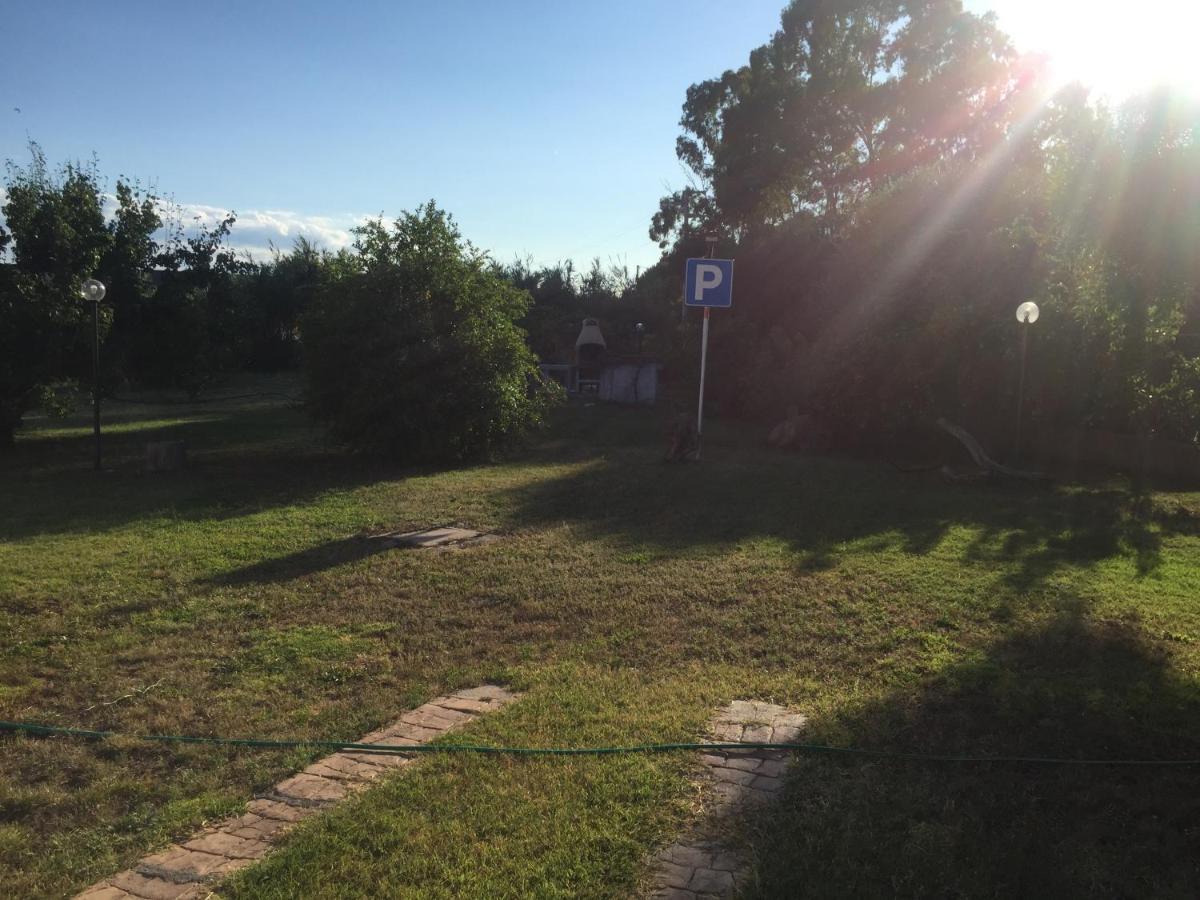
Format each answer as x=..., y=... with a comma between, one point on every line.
x=94, y=291
x=1027, y=314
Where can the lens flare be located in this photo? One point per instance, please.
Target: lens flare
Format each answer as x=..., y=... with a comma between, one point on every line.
x=1117, y=49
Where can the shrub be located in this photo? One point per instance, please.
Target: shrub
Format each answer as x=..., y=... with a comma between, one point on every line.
x=414, y=350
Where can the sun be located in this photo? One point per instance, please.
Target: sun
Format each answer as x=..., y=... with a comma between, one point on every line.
x=1118, y=49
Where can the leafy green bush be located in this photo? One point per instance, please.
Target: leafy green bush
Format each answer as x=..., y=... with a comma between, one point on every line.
x=414, y=351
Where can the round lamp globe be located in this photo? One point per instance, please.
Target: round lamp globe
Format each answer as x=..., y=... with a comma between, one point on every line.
x=93, y=290
x=1027, y=312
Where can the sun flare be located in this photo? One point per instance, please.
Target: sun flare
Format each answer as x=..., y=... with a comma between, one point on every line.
x=1117, y=49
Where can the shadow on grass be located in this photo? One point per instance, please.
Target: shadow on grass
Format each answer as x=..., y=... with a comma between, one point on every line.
x=817, y=507
x=241, y=460
x=1080, y=528
x=239, y=463
x=304, y=562
x=865, y=828
x=244, y=461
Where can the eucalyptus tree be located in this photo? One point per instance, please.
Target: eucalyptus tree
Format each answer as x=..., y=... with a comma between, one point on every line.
x=846, y=95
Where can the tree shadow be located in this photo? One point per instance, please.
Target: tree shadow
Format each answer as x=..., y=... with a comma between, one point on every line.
x=303, y=563
x=857, y=827
x=1080, y=528
x=239, y=463
x=819, y=507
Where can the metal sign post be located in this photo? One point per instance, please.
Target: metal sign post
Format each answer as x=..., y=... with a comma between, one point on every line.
x=708, y=283
x=703, y=366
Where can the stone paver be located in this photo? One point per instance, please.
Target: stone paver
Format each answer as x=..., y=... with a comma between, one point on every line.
x=698, y=865
x=190, y=869
x=135, y=884
x=103, y=892
x=436, y=537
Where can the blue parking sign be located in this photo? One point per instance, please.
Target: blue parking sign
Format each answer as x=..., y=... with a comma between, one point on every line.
x=709, y=282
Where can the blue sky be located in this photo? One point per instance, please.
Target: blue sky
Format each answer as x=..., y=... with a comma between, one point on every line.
x=547, y=128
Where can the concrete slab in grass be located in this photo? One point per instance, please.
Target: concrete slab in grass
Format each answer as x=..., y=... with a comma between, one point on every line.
x=434, y=538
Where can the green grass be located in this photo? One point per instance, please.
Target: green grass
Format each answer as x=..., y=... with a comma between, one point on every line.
x=627, y=600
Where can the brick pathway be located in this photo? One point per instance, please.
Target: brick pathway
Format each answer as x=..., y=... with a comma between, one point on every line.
x=698, y=865
x=189, y=870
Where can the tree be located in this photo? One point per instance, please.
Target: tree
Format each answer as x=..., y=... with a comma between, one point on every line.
x=847, y=95
x=126, y=268
x=172, y=316
x=415, y=352
x=58, y=236
x=1127, y=196
x=893, y=184
x=192, y=330
x=273, y=298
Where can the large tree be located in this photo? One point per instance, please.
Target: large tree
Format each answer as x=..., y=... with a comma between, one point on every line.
x=126, y=267
x=193, y=329
x=846, y=95
x=58, y=236
x=171, y=315
x=893, y=182
x=275, y=295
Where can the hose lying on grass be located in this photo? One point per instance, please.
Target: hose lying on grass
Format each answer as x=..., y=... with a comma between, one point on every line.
x=52, y=730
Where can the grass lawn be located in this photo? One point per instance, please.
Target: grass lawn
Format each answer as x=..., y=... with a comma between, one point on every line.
x=627, y=600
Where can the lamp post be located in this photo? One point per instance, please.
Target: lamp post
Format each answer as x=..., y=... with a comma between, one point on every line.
x=1027, y=314
x=94, y=290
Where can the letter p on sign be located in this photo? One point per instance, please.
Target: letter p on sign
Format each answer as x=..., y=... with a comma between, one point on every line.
x=709, y=282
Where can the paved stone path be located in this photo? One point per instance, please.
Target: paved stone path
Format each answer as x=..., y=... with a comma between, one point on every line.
x=189, y=870
x=698, y=865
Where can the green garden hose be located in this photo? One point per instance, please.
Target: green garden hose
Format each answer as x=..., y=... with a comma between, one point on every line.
x=51, y=730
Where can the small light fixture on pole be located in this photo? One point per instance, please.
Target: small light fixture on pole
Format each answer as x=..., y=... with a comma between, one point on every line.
x=640, y=330
x=94, y=291
x=1027, y=314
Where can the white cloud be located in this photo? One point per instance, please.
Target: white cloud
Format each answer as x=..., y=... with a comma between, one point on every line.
x=255, y=231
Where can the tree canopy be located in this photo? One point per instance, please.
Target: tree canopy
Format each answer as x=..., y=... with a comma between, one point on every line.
x=894, y=180
x=845, y=96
